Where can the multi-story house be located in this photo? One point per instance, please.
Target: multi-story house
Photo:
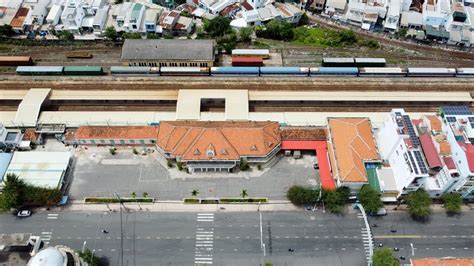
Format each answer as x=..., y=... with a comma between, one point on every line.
x=400, y=151
x=72, y=16
x=436, y=13
x=393, y=15
x=458, y=125
x=134, y=18
x=365, y=13
x=437, y=150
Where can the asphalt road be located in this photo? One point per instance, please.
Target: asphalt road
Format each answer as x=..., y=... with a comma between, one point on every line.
x=440, y=236
x=234, y=238
x=191, y=238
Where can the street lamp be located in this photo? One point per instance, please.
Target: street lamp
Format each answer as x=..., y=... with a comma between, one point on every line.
x=121, y=228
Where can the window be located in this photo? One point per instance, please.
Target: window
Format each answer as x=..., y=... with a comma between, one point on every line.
x=132, y=141
x=122, y=141
x=142, y=141
x=102, y=141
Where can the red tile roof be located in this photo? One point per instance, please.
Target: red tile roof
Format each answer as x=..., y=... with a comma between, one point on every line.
x=218, y=140
x=449, y=261
x=126, y=132
x=228, y=9
x=430, y=151
x=247, y=6
x=30, y=135
x=469, y=150
x=303, y=133
x=449, y=163
x=19, y=18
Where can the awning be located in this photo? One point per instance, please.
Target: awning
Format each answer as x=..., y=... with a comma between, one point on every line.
x=29, y=108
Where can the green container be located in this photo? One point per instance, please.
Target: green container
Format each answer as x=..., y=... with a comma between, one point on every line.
x=83, y=70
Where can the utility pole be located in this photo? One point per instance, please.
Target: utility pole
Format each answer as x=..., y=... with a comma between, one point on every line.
x=121, y=228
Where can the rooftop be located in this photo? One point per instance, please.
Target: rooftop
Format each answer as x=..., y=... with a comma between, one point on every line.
x=303, y=133
x=353, y=145
x=448, y=261
x=20, y=16
x=429, y=149
x=193, y=140
x=113, y=132
x=202, y=50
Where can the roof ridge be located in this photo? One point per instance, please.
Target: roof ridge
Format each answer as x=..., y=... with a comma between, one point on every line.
x=227, y=140
x=194, y=140
x=167, y=137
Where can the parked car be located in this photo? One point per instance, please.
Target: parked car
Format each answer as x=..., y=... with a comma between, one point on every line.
x=23, y=213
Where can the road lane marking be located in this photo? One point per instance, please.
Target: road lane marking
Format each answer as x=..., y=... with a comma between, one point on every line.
x=396, y=236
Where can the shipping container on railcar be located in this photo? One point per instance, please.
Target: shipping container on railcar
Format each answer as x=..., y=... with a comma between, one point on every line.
x=16, y=61
x=234, y=71
x=431, y=72
x=284, y=71
x=83, y=70
x=130, y=71
x=370, y=62
x=338, y=62
x=382, y=71
x=39, y=70
x=184, y=71
x=334, y=71
x=247, y=61
x=465, y=72
x=264, y=53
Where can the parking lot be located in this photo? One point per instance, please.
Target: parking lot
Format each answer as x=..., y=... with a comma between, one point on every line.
x=98, y=173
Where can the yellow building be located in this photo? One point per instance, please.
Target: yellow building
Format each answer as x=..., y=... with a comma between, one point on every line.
x=168, y=53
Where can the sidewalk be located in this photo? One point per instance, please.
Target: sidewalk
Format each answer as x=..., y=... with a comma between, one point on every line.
x=178, y=206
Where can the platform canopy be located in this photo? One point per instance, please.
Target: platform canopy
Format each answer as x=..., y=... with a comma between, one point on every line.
x=29, y=108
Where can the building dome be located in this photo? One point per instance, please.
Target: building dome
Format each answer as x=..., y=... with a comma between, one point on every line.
x=47, y=257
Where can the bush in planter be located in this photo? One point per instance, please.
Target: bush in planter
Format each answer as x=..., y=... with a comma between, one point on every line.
x=113, y=151
x=169, y=164
x=244, y=165
x=191, y=200
x=135, y=151
x=179, y=165
x=259, y=167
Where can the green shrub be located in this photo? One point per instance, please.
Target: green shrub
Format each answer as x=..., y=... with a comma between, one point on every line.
x=259, y=167
x=113, y=151
x=244, y=166
x=209, y=201
x=135, y=151
x=240, y=200
x=115, y=200
x=179, y=165
x=419, y=204
x=169, y=164
x=452, y=203
x=300, y=195
x=191, y=200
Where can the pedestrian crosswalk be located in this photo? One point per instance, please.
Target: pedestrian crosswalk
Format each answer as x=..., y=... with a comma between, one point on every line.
x=366, y=239
x=52, y=216
x=46, y=237
x=204, y=239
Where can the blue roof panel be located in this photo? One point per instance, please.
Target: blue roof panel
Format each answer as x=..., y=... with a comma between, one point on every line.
x=5, y=159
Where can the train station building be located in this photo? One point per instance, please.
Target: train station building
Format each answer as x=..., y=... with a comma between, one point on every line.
x=218, y=146
x=168, y=53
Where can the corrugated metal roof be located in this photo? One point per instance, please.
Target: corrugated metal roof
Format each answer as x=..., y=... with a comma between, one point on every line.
x=199, y=50
x=430, y=151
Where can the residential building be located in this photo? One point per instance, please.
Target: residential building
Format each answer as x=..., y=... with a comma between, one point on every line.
x=183, y=53
x=151, y=18
x=365, y=13
x=218, y=146
x=43, y=169
x=9, y=138
x=443, y=172
x=289, y=12
x=218, y=6
x=8, y=10
x=267, y=13
x=100, y=20
x=317, y=5
x=18, y=21
x=435, y=13
x=72, y=16
x=36, y=16
x=458, y=125
x=411, y=20
x=353, y=152
x=335, y=8
x=134, y=18
x=184, y=26
x=230, y=11
x=256, y=4
x=400, y=150
x=168, y=20
x=393, y=15
x=54, y=15
x=114, y=135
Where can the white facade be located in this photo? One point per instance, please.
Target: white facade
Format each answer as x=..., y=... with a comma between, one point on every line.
x=218, y=6
x=395, y=150
x=54, y=15
x=393, y=15
x=436, y=12
x=72, y=16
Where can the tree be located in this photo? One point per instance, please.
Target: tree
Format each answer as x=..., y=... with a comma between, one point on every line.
x=151, y=36
x=384, y=257
x=278, y=30
x=452, y=203
x=195, y=192
x=89, y=257
x=347, y=37
x=131, y=35
x=244, y=165
x=403, y=32
x=134, y=195
x=12, y=194
x=66, y=36
x=370, y=199
x=300, y=195
x=6, y=31
x=111, y=33
x=334, y=200
x=304, y=20
x=419, y=204
x=245, y=34
x=218, y=26
x=244, y=193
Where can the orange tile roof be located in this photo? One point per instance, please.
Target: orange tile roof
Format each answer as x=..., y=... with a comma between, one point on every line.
x=114, y=132
x=30, y=135
x=444, y=148
x=19, y=17
x=353, y=144
x=435, y=123
x=218, y=140
x=448, y=261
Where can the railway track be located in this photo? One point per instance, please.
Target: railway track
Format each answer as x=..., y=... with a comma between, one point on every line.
x=250, y=83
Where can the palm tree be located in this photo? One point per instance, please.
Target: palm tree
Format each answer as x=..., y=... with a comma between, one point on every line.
x=195, y=192
x=134, y=195
x=244, y=193
x=145, y=194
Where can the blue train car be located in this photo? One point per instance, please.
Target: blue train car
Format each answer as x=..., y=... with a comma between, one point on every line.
x=284, y=71
x=334, y=71
x=234, y=71
x=39, y=70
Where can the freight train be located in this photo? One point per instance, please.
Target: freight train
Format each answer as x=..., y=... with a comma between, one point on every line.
x=248, y=71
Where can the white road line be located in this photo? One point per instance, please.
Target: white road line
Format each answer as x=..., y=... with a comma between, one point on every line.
x=46, y=233
x=204, y=242
x=199, y=258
